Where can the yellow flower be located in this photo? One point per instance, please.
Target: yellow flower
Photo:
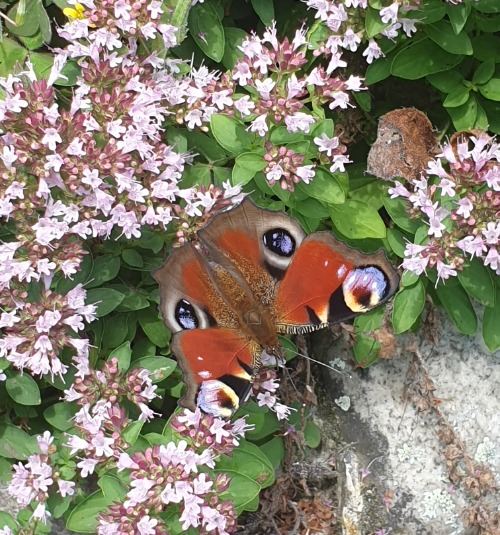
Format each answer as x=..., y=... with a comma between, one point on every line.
x=76, y=13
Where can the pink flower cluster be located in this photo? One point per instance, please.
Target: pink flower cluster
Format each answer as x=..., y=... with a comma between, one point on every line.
x=346, y=28
x=264, y=388
x=271, y=70
x=173, y=475
x=102, y=418
x=111, y=20
x=33, y=482
x=97, y=168
x=35, y=333
x=110, y=384
x=459, y=201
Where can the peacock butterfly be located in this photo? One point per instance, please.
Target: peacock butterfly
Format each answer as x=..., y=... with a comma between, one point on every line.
x=255, y=274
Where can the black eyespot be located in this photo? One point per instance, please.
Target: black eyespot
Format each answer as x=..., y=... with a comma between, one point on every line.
x=279, y=241
x=185, y=315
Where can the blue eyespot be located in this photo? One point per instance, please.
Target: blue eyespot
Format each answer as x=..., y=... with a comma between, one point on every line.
x=280, y=242
x=185, y=315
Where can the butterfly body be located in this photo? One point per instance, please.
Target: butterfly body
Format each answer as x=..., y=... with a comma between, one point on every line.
x=255, y=274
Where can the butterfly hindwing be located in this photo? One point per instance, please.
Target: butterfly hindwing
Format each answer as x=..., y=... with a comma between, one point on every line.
x=217, y=364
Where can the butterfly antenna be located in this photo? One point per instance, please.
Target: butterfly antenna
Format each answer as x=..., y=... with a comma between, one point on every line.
x=323, y=364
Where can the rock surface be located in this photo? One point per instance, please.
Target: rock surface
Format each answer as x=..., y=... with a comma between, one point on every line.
x=385, y=435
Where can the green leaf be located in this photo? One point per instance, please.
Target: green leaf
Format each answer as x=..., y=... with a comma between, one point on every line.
x=123, y=354
x=33, y=42
x=42, y=64
x=312, y=434
x=446, y=82
x=83, y=518
x=478, y=283
x=421, y=58
x=44, y=21
x=379, y=70
x=234, y=38
x=7, y=520
x=357, y=220
x=370, y=321
x=159, y=367
x=105, y=268
x=154, y=327
x=458, y=15
x=325, y=187
x=58, y=505
x=25, y=14
x=265, y=424
x=491, y=332
x=23, y=389
x=112, y=488
x=312, y=209
x=281, y=136
x=491, y=89
x=409, y=278
x=11, y=54
x=464, y=116
x=486, y=46
x=442, y=33
x=246, y=166
x=487, y=6
x=457, y=97
x=396, y=241
x=431, y=11
x=408, y=305
x=64, y=285
x=492, y=110
x=457, y=304
x=264, y=10
x=207, y=146
x=229, y=133
x=274, y=450
x=15, y=443
x=207, y=31
x=69, y=74
x=373, y=23
x=106, y=300
x=60, y=415
x=115, y=330
x=132, y=432
x=484, y=72
x=133, y=298
x=132, y=258
x=488, y=24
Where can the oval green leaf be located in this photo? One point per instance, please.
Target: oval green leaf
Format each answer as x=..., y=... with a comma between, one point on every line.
x=106, y=300
x=230, y=134
x=442, y=34
x=207, y=31
x=421, y=58
x=23, y=389
x=357, y=220
x=491, y=330
x=478, y=283
x=60, y=415
x=408, y=305
x=457, y=304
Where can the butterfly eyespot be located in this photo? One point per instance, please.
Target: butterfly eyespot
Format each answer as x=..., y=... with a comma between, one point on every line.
x=217, y=398
x=185, y=315
x=364, y=288
x=280, y=242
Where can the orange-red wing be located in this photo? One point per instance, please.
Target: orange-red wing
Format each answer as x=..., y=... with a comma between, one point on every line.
x=328, y=282
x=218, y=366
